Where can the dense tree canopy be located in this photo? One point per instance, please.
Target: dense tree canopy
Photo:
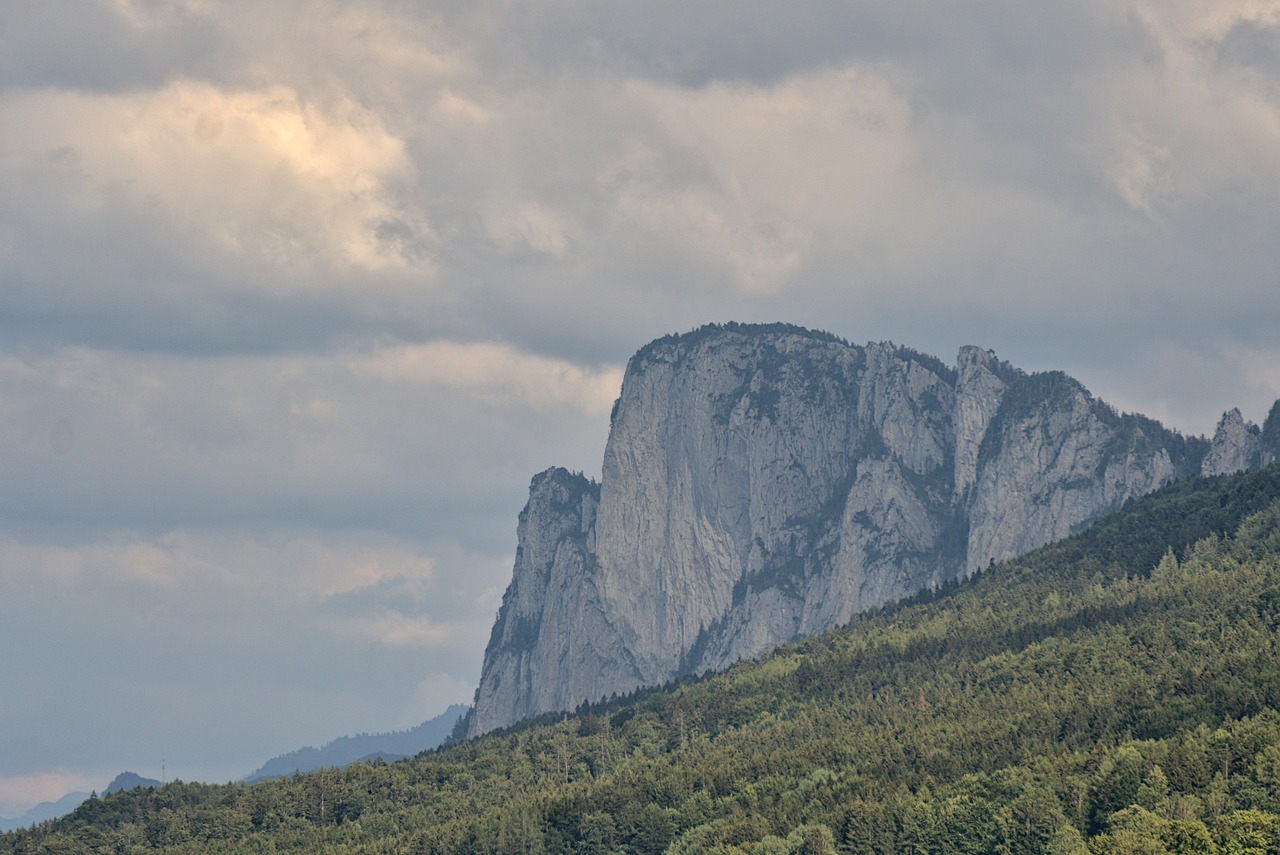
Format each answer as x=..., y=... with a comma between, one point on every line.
x=1115, y=692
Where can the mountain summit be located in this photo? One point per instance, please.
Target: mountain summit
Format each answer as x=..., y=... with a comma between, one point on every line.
x=764, y=483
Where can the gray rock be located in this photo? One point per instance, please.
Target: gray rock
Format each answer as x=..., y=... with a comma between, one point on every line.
x=764, y=483
x=1237, y=445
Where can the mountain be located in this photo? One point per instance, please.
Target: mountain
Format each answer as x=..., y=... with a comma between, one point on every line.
x=130, y=781
x=387, y=747
x=763, y=483
x=44, y=811
x=364, y=747
x=1113, y=692
x=69, y=802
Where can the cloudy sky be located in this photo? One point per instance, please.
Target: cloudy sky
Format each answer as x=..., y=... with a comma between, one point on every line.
x=296, y=295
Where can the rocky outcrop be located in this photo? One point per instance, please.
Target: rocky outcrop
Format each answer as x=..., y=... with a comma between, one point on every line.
x=1237, y=445
x=552, y=595
x=764, y=483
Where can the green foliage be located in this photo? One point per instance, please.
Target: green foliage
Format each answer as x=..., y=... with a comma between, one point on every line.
x=1116, y=692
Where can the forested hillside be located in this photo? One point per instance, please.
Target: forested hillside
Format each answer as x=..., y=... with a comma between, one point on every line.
x=1114, y=692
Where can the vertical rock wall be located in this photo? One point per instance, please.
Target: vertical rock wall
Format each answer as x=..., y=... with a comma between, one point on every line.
x=764, y=483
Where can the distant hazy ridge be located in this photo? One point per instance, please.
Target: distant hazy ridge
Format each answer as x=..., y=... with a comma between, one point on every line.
x=349, y=749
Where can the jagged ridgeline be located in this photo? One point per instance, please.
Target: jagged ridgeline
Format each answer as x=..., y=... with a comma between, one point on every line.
x=1113, y=692
x=765, y=483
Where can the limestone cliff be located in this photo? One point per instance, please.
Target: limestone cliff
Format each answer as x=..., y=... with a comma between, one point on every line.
x=763, y=483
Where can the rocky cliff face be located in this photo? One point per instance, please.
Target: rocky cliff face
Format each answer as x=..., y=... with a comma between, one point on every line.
x=1237, y=445
x=761, y=484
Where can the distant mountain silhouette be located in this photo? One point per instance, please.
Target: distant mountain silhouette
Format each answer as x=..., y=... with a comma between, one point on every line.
x=389, y=747
x=129, y=781
x=43, y=811
x=71, y=801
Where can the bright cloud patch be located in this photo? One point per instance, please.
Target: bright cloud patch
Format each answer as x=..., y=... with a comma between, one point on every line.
x=264, y=176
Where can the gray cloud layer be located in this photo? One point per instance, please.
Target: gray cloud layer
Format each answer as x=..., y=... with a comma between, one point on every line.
x=295, y=297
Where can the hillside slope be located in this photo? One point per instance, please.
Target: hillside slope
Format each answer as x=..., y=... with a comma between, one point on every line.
x=349, y=749
x=764, y=483
x=1114, y=692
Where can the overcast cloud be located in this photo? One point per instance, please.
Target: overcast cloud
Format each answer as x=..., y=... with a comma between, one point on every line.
x=295, y=297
